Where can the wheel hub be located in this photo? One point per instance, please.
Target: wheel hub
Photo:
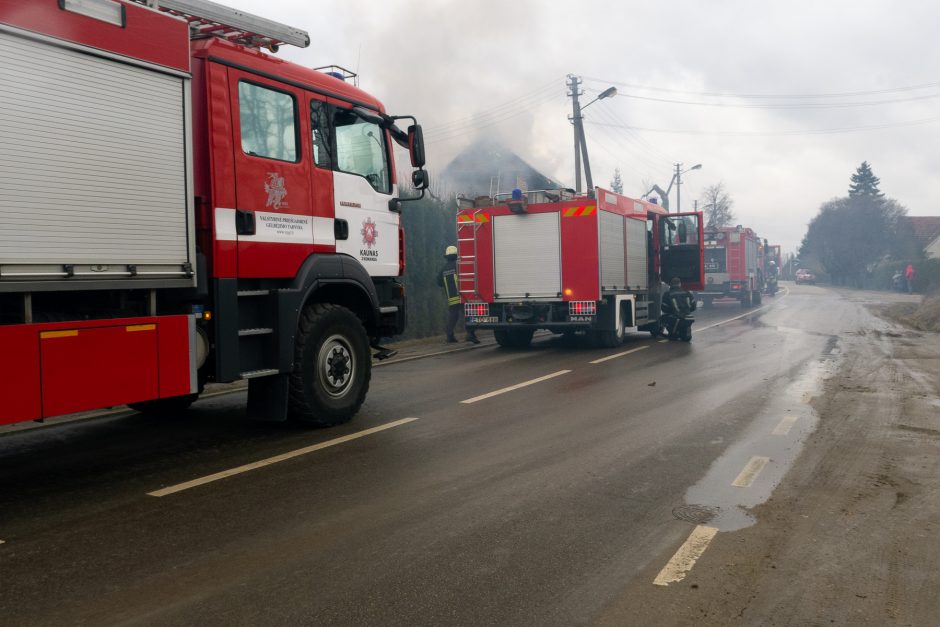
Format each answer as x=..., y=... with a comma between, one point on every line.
x=337, y=366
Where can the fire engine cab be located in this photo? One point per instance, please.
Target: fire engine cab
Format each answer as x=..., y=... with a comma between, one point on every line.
x=556, y=260
x=180, y=206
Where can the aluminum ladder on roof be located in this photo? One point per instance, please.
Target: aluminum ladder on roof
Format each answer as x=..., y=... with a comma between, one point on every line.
x=211, y=19
x=464, y=274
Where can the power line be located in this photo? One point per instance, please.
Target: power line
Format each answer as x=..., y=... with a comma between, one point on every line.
x=535, y=95
x=778, y=96
x=813, y=105
x=820, y=131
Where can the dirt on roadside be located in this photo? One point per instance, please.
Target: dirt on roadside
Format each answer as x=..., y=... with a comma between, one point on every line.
x=852, y=534
x=923, y=316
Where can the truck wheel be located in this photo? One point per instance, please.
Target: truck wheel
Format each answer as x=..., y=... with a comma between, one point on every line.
x=746, y=300
x=757, y=298
x=514, y=338
x=159, y=406
x=606, y=339
x=332, y=366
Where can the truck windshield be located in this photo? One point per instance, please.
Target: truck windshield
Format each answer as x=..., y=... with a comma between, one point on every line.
x=360, y=149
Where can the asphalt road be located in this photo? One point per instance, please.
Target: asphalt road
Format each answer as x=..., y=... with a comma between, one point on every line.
x=556, y=485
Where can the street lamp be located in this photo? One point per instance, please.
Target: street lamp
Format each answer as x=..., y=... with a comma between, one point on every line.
x=580, y=144
x=678, y=179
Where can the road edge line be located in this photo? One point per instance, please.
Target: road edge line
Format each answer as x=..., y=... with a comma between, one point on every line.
x=262, y=463
x=681, y=563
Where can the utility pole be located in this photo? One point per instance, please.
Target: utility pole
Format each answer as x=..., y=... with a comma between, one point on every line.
x=678, y=188
x=573, y=83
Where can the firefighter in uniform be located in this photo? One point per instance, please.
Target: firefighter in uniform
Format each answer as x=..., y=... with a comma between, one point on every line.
x=447, y=278
x=678, y=303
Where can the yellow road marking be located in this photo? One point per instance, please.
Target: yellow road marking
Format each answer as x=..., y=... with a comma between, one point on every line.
x=684, y=559
x=785, y=425
x=514, y=387
x=603, y=359
x=274, y=460
x=750, y=472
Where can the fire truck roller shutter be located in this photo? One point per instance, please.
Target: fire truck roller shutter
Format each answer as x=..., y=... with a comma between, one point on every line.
x=637, y=271
x=93, y=154
x=611, y=236
x=527, y=252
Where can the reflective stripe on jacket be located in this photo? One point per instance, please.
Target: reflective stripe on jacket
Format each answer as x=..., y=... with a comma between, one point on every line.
x=450, y=287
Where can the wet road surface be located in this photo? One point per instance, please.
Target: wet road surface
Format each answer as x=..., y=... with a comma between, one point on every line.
x=555, y=485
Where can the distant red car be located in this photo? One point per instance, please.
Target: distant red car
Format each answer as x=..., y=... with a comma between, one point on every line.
x=805, y=276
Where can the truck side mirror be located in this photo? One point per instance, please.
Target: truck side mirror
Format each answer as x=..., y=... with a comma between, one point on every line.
x=420, y=179
x=683, y=232
x=416, y=146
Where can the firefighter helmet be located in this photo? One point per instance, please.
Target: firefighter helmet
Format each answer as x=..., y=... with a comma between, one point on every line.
x=450, y=251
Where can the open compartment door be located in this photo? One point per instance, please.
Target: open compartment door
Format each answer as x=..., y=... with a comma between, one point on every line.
x=681, y=248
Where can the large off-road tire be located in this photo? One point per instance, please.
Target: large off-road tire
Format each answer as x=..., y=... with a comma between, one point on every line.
x=513, y=338
x=332, y=366
x=165, y=406
x=607, y=338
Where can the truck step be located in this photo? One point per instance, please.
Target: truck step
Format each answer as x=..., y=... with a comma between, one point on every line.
x=257, y=331
x=248, y=293
x=254, y=374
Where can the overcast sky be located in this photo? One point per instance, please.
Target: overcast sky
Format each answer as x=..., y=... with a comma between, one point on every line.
x=498, y=68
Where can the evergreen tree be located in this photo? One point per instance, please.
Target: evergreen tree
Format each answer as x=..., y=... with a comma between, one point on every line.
x=865, y=183
x=616, y=185
x=850, y=235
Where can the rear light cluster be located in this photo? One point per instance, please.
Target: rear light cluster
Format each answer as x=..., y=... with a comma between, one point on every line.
x=476, y=309
x=582, y=308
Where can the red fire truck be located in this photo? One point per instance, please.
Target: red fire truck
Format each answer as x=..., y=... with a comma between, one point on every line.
x=567, y=263
x=179, y=206
x=732, y=266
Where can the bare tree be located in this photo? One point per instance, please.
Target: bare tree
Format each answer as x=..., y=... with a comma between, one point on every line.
x=717, y=203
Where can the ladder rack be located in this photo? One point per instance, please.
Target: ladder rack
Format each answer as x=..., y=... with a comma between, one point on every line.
x=211, y=19
x=467, y=274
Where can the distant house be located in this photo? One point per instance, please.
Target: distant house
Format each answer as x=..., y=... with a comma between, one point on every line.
x=927, y=234
x=486, y=168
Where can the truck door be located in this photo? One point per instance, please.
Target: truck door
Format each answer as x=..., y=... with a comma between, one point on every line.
x=680, y=243
x=273, y=214
x=363, y=185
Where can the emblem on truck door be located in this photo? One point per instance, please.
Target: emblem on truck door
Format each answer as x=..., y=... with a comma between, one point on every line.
x=276, y=190
x=369, y=233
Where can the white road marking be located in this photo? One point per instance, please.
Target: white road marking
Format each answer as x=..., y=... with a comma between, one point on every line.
x=684, y=559
x=785, y=425
x=663, y=341
x=276, y=459
x=633, y=350
x=514, y=387
x=745, y=314
x=750, y=472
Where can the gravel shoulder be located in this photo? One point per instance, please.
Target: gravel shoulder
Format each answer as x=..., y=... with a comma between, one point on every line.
x=851, y=534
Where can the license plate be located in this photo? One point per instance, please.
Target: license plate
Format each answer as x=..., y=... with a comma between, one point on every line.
x=484, y=320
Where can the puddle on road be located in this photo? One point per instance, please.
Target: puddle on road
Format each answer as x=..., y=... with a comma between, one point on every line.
x=790, y=415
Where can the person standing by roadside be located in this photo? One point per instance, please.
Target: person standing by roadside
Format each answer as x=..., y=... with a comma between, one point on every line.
x=909, y=275
x=447, y=278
